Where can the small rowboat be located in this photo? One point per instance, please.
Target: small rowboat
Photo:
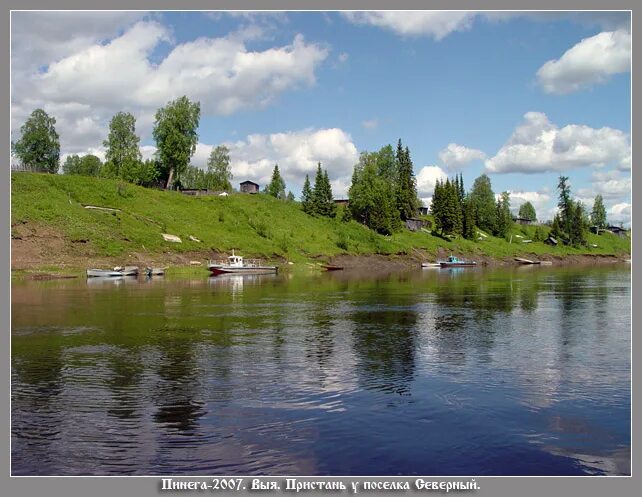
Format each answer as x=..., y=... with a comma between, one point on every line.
x=430, y=264
x=154, y=271
x=521, y=260
x=329, y=267
x=113, y=273
x=103, y=273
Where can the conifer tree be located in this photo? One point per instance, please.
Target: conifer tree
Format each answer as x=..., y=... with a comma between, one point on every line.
x=406, y=194
x=306, y=196
x=565, y=204
x=503, y=216
x=276, y=188
x=577, y=235
x=469, y=220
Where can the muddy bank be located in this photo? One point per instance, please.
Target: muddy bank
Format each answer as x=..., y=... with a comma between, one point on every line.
x=33, y=256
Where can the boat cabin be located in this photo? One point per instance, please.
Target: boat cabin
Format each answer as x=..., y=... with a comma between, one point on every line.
x=235, y=261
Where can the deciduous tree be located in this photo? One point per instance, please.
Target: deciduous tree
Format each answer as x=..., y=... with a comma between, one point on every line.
x=175, y=132
x=38, y=148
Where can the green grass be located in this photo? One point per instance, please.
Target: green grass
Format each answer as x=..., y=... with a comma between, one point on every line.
x=256, y=225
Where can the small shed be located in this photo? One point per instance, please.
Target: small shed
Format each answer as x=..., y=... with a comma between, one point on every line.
x=423, y=211
x=616, y=230
x=249, y=187
x=415, y=224
x=341, y=201
x=522, y=220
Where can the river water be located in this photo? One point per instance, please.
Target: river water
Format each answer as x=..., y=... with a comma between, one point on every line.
x=521, y=371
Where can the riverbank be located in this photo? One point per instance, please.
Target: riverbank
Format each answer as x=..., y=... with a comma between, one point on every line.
x=69, y=223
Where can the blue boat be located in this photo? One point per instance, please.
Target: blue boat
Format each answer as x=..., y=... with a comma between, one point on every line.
x=453, y=261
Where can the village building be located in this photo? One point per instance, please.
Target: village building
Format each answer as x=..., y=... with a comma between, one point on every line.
x=249, y=187
x=522, y=220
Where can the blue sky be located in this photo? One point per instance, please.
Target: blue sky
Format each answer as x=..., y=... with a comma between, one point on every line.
x=523, y=97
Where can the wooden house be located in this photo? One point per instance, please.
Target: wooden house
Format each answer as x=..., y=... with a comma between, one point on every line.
x=249, y=187
x=415, y=224
x=616, y=230
x=522, y=220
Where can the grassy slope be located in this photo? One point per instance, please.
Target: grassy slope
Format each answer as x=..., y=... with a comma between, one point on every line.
x=257, y=225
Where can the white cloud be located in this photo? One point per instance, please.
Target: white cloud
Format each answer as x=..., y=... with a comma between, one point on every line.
x=297, y=154
x=592, y=61
x=219, y=72
x=84, y=83
x=436, y=24
x=439, y=24
x=370, y=123
x=42, y=37
x=540, y=201
x=454, y=156
x=620, y=213
x=537, y=145
x=426, y=179
x=614, y=186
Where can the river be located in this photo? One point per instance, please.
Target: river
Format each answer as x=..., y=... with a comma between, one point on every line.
x=518, y=371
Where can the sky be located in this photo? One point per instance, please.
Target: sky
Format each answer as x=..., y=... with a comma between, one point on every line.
x=521, y=96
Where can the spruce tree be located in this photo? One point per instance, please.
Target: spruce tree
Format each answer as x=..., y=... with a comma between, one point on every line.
x=469, y=220
x=503, y=216
x=276, y=188
x=306, y=196
x=406, y=194
x=330, y=208
x=565, y=204
x=578, y=225
x=436, y=206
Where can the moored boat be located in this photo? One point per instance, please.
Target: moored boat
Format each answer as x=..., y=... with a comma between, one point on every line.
x=453, y=261
x=113, y=273
x=521, y=260
x=103, y=273
x=236, y=265
x=154, y=271
x=430, y=264
x=330, y=267
x=127, y=270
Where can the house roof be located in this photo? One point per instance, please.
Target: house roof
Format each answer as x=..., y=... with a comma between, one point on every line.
x=247, y=182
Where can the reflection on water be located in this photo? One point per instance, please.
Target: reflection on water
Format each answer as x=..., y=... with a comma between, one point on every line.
x=445, y=372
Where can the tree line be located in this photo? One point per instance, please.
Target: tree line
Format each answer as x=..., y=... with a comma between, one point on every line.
x=175, y=133
x=457, y=213
x=382, y=194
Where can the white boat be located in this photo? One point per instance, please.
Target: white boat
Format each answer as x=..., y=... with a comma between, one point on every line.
x=113, y=273
x=103, y=273
x=127, y=270
x=236, y=265
x=430, y=264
